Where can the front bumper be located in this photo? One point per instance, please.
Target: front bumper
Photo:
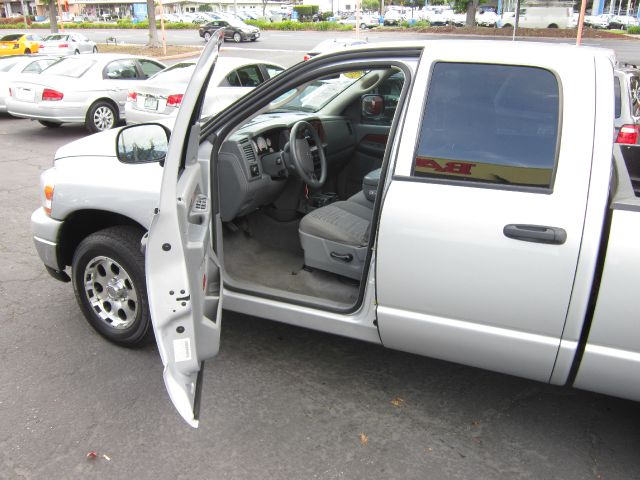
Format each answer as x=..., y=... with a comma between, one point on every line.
x=250, y=36
x=46, y=232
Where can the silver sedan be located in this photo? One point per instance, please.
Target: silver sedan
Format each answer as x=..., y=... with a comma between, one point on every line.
x=160, y=97
x=67, y=44
x=86, y=89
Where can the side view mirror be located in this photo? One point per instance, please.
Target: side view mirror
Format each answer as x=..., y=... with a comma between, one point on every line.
x=144, y=143
x=372, y=106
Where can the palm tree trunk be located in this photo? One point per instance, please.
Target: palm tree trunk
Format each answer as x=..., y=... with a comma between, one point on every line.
x=53, y=21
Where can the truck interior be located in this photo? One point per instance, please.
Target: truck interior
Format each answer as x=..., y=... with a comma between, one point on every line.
x=297, y=185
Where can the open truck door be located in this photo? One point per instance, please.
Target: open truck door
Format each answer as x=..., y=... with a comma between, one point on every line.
x=183, y=275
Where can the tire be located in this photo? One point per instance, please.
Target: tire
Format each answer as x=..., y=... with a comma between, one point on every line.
x=110, y=287
x=507, y=25
x=77, y=52
x=27, y=51
x=553, y=25
x=237, y=37
x=48, y=124
x=363, y=26
x=95, y=50
x=102, y=116
x=207, y=36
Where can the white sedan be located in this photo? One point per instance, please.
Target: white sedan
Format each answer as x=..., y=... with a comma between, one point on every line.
x=160, y=97
x=11, y=67
x=86, y=89
x=365, y=21
x=67, y=44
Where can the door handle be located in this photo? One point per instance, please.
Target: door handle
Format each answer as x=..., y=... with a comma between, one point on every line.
x=535, y=233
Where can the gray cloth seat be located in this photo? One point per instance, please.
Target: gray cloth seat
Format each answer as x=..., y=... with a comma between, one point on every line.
x=335, y=238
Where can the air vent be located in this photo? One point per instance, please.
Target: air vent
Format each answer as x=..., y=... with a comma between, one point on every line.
x=249, y=154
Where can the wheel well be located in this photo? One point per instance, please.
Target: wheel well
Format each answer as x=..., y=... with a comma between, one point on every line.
x=552, y=25
x=116, y=109
x=79, y=225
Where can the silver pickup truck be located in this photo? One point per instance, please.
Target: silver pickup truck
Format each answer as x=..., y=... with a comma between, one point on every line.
x=454, y=199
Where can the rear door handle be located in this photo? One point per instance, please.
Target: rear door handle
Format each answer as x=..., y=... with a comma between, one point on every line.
x=536, y=233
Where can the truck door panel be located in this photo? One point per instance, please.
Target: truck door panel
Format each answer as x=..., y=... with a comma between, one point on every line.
x=486, y=154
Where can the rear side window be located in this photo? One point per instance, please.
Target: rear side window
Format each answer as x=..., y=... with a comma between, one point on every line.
x=492, y=124
x=121, y=70
x=150, y=68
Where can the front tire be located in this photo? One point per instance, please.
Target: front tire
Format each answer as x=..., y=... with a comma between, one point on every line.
x=109, y=283
x=207, y=36
x=27, y=51
x=363, y=26
x=102, y=116
x=95, y=49
x=237, y=37
x=49, y=124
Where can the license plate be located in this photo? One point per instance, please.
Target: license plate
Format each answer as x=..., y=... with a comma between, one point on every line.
x=151, y=103
x=25, y=94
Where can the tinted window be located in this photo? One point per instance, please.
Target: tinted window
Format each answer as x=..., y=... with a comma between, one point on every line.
x=149, y=68
x=490, y=123
x=11, y=38
x=121, y=70
x=249, y=76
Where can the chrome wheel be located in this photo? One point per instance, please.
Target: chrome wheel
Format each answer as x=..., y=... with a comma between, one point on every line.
x=103, y=118
x=111, y=292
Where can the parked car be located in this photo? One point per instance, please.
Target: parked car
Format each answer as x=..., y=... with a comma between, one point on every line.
x=169, y=17
x=525, y=267
x=12, y=67
x=627, y=104
x=160, y=97
x=67, y=44
x=392, y=17
x=19, y=44
x=365, y=21
x=87, y=89
x=331, y=45
x=539, y=17
x=438, y=15
x=622, y=22
x=233, y=30
x=487, y=18
x=598, y=21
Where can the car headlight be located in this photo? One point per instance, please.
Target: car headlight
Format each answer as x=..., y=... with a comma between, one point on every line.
x=246, y=30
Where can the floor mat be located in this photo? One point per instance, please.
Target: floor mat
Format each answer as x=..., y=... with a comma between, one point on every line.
x=268, y=253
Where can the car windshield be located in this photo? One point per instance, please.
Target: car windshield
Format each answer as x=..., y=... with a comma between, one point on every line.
x=53, y=38
x=11, y=38
x=315, y=95
x=69, y=67
x=178, y=73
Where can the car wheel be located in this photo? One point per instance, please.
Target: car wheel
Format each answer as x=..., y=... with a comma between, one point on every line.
x=102, y=116
x=77, y=52
x=109, y=283
x=207, y=36
x=237, y=37
x=95, y=49
x=553, y=25
x=363, y=26
x=27, y=51
x=49, y=124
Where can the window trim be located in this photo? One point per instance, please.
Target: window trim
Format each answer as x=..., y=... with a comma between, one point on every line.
x=456, y=181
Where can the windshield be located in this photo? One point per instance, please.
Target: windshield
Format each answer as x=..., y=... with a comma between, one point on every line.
x=315, y=95
x=237, y=23
x=70, y=67
x=178, y=73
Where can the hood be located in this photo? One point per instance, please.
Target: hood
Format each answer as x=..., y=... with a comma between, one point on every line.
x=101, y=144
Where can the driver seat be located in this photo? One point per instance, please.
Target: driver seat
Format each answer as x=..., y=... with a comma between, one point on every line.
x=335, y=237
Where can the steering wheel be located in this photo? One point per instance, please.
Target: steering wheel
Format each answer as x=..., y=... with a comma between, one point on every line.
x=302, y=155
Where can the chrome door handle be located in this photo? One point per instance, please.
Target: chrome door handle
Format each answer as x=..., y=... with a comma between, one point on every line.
x=535, y=233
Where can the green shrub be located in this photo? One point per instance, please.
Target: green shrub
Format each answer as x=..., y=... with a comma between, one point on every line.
x=634, y=30
x=289, y=25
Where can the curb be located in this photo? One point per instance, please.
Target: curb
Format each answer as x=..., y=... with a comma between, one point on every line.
x=195, y=53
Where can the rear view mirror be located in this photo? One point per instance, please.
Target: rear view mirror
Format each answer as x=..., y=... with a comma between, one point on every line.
x=143, y=143
x=372, y=106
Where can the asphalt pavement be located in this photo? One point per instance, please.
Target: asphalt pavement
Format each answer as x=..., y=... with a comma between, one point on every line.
x=279, y=402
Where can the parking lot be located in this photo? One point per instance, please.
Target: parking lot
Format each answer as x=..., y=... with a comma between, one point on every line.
x=279, y=402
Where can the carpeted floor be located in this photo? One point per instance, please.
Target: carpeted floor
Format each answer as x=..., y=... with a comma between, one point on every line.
x=268, y=253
